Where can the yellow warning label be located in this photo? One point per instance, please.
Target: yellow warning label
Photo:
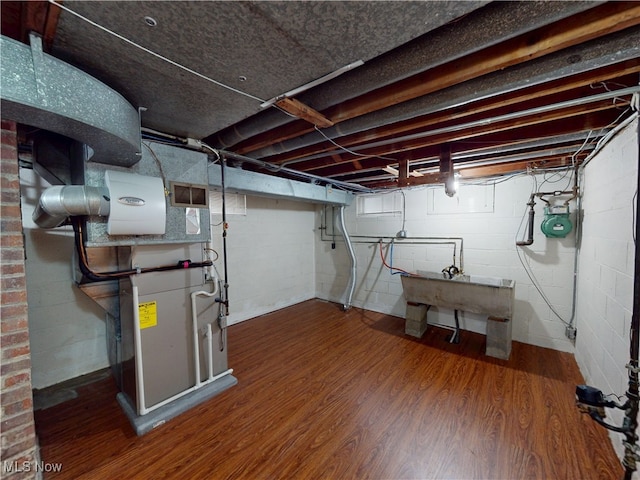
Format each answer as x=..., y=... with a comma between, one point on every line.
x=148, y=314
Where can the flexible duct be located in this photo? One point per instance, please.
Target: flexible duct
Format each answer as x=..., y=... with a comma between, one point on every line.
x=62, y=201
x=351, y=286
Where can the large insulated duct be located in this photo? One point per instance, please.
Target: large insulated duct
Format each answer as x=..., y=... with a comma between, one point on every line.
x=45, y=92
x=58, y=203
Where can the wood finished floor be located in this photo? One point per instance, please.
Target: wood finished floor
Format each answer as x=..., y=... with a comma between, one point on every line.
x=324, y=394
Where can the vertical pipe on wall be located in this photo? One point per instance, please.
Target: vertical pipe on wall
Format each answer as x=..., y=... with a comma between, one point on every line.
x=142, y=408
x=225, y=295
x=352, y=256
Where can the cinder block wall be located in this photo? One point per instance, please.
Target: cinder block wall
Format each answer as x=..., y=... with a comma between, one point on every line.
x=271, y=256
x=17, y=437
x=606, y=268
x=489, y=249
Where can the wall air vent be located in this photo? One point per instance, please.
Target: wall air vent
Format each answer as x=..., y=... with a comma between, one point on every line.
x=189, y=195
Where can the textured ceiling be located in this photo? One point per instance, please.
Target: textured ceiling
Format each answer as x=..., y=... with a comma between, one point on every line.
x=262, y=48
x=496, y=87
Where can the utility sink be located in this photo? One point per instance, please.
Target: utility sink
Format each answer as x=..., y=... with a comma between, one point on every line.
x=492, y=296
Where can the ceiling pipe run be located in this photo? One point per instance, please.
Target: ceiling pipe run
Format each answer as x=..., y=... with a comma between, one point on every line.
x=599, y=53
x=309, y=176
x=483, y=122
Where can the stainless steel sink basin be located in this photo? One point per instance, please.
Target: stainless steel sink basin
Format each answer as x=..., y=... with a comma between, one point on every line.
x=472, y=293
x=492, y=296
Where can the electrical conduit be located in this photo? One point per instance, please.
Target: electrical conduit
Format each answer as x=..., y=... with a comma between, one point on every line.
x=351, y=286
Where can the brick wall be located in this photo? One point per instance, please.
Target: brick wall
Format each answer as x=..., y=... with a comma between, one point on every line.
x=17, y=431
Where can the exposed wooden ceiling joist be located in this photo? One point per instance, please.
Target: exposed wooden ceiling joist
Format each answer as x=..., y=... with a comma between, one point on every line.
x=468, y=94
x=388, y=150
x=581, y=123
x=551, y=92
x=591, y=24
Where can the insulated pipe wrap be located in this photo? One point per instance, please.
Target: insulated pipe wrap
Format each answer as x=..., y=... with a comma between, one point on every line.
x=62, y=201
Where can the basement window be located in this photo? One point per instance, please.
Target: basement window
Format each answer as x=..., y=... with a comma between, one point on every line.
x=469, y=199
x=189, y=195
x=235, y=203
x=379, y=204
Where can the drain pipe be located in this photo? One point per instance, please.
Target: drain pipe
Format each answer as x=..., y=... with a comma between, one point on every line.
x=194, y=332
x=59, y=202
x=532, y=215
x=352, y=256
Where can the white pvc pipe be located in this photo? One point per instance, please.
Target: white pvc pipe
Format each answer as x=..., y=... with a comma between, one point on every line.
x=194, y=327
x=352, y=256
x=210, y=345
x=188, y=390
x=137, y=340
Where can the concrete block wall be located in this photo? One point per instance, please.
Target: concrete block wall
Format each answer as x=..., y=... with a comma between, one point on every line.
x=18, y=445
x=67, y=328
x=606, y=268
x=489, y=249
x=271, y=257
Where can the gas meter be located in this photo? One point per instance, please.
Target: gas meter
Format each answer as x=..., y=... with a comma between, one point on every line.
x=556, y=223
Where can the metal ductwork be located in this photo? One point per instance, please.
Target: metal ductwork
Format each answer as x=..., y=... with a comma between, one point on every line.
x=58, y=203
x=45, y=92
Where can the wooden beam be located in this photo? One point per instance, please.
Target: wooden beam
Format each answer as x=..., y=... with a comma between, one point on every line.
x=577, y=86
x=403, y=173
x=593, y=23
x=486, y=171
x=51, y=25
x=583, y=123
x=41, y=18
x=590, y=24
x=304, y=112
x=418, y=143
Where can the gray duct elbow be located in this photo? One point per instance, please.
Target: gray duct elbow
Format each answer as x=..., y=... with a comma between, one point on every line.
x=59, y=202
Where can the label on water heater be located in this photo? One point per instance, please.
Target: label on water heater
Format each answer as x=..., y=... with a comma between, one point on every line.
x=148, y=314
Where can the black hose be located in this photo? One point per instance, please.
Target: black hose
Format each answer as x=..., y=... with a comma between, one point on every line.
x=455, y=336
x=114, y=275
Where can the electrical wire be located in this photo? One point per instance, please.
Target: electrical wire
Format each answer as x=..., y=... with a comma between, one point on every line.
x=157, y=55
x=159, y=164
x=390, y=267
x=633, y=209
x=351, y=151
x=212, y=250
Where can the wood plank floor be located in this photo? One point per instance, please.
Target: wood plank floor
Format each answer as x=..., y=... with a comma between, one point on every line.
x=324, y=394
